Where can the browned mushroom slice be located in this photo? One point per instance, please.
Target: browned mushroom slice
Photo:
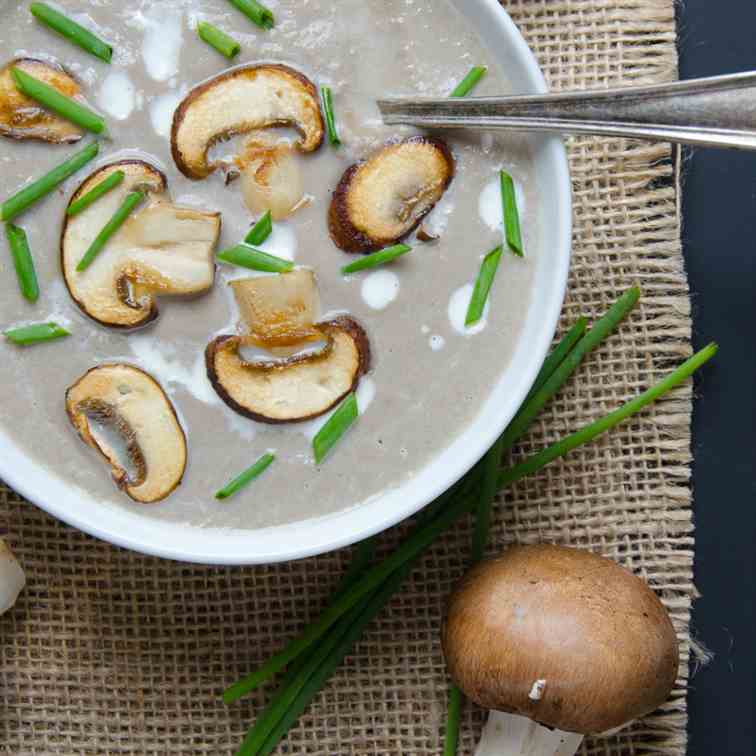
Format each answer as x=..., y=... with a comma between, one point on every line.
x=381, y=200
x=162, y=249
x=241, y=101
x=23, y=118
x=301, y=368
x=131, y=403
x=299, y=389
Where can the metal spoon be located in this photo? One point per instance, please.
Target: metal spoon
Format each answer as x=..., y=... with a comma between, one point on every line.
x=719, y=111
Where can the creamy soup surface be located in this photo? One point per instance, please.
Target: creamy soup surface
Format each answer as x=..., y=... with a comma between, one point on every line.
x=429, y=373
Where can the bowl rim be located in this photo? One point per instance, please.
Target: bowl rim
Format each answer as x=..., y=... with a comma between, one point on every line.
x=318, y=535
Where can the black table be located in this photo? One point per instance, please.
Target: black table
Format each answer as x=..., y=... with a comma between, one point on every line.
x=719, y=239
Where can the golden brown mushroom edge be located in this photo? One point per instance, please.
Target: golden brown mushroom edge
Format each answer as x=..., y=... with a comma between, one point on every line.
x=23, y=118
x=294, y=382
x=382, y=199
x=135, y=406
x=254, y=98
x=162, y=249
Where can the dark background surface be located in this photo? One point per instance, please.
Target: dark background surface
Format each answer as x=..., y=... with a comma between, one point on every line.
x=719, y=239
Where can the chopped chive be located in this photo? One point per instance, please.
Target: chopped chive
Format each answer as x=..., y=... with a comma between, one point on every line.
x=472, y=78
x=255, y=259
x=464, y=500
x=333, y=134
x=56, y=101
x=35, y=191
x=260, y=231
x=381, y=257
x=483, y=286
x=218, y=39
x=255, y=12
x=246, y=477
x=22, y=262
x=36, y=334
x=116, y=221
x=325, y=439
x=72, y=31
x=108, y=184
x=512, y=234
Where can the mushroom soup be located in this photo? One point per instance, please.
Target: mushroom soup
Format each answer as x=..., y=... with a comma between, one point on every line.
x=394, y=335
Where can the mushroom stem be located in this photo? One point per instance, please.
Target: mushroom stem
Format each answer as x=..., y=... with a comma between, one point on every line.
x=514, y=735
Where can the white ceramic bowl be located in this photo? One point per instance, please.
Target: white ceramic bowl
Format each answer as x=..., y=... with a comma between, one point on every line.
x=295, y=540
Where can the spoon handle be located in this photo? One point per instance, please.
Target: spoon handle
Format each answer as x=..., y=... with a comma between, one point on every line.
x=719, y=111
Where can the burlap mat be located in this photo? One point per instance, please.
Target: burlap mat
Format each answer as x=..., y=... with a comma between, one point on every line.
x=113, y=653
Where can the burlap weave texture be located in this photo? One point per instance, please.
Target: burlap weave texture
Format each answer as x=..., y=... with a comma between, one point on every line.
x=110, y=652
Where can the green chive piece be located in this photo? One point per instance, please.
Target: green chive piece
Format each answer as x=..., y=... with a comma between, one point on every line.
x=105, y=186
x=557, y=356
x=246, y=477
x=255, y=259
x=41, y=187
x=466, y=85
x=36, y=334
x=333, y=134
x=598, y=332
x=464, y=500
x=381, y=257
x=483, y=286
x=22, y=262
x=337, y=425
x=453, y=711
x=260, y=231
x=512, y=234
x=116, y=221
x=218, y=39
x=596, y=428
x=255, y=12
x=64, y=106
x=72, y=31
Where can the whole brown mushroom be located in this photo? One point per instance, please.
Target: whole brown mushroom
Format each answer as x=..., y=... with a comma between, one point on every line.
x=565, y=642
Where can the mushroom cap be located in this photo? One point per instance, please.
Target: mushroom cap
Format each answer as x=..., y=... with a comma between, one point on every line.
x=382, y=199
x=298, y=389
x=24, y=118
x=239, y=101
x=595, y=633
x=134, y=403
x=161, y=249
